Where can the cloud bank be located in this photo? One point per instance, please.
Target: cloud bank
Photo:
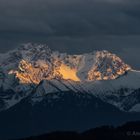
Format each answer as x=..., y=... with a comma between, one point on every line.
x=75, y=26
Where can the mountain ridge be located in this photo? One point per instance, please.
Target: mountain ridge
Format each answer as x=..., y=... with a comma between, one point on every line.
x=78, y=92
x=38, y=62
x=33, y=66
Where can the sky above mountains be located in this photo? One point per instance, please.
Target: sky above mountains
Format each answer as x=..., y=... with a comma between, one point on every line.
x=73, y=26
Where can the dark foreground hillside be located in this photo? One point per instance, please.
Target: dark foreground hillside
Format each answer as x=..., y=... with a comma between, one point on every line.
x=128, y=131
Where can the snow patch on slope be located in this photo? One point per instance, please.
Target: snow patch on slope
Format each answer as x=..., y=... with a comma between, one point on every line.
x=135, y=108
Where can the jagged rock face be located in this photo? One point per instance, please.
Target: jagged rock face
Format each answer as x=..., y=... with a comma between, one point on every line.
x=35, y=70
x=37, y=62
x=32, y=73
x=107, y=66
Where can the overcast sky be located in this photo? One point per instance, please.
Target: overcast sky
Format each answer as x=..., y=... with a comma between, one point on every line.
x=73, y=26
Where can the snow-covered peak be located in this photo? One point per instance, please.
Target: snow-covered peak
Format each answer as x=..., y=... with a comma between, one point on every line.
x=107, y=66
x=34, y=52
x=36, y=69
x=32, y=63
x=29, y=51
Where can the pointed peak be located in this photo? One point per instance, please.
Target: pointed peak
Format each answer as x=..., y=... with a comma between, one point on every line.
x=36, y=62
x=107, y=66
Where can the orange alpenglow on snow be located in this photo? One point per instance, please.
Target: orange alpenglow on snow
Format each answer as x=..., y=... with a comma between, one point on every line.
x=27, y=73
x=68, y=73
x=96, y=67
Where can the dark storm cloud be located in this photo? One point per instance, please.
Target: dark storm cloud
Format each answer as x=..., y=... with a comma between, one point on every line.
x=70, y=17
x=72, y=25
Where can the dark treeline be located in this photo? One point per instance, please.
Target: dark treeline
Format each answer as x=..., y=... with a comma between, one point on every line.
x=128, y=131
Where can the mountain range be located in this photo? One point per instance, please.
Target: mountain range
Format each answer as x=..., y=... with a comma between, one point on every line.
x=43, y=90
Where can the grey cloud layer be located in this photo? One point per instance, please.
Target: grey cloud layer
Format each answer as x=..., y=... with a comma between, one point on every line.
x=71, y=17
x=72, y=25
